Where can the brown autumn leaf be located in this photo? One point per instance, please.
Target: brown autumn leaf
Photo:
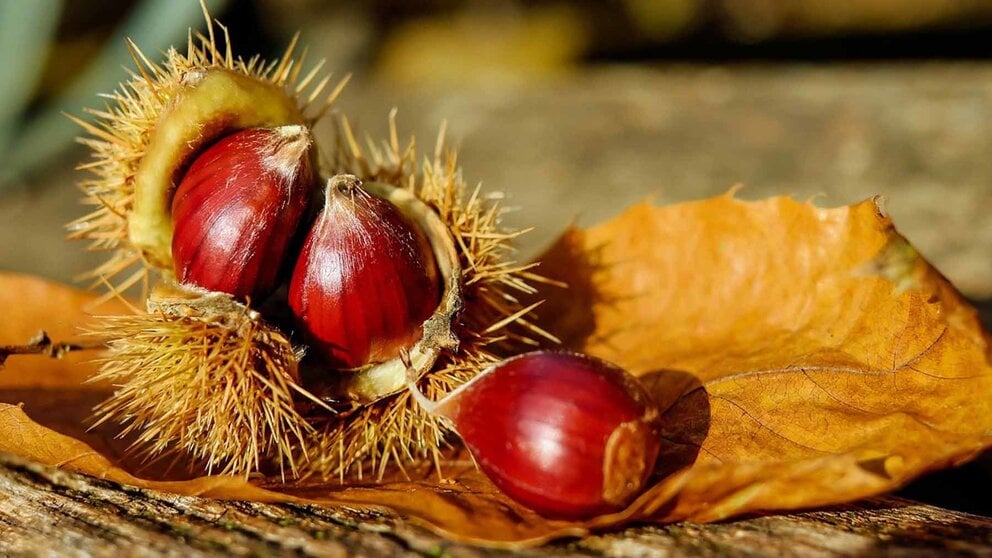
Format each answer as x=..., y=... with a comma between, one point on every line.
x=802, y=357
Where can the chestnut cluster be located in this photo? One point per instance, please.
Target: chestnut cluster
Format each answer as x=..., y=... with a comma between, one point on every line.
x=565, y=434
x=362, y=277
x=292, y=321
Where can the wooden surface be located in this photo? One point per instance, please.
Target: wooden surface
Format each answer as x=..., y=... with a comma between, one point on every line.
x=44, y=511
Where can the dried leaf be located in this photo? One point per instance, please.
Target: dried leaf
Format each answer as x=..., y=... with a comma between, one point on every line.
x=802, y=357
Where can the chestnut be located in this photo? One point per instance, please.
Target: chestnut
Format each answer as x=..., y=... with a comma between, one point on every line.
x=238, y=209
x=567, y=435
x=365, y=281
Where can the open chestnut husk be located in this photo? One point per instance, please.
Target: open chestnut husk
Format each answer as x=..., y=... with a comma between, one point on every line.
x=209, y=369
x=377, y=277
x=567, y=435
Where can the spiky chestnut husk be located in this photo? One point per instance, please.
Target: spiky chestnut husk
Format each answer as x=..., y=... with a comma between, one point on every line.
x=337, y=282
x=494, y=320
x=150, y=130
x=202, y=373
x=159, y=120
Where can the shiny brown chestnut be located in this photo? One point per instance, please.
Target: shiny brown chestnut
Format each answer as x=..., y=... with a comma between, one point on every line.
x=239, y=208
x=365, y=281
x=567, y=435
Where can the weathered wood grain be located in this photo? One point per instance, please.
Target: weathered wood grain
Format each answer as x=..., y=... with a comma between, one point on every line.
x=45, y=511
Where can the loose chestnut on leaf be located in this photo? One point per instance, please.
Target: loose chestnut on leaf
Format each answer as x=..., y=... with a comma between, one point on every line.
x=238, y=209
x=567, y=435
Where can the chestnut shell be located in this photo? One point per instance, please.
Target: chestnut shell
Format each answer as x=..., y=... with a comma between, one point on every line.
x=567, y=435
x=238, y=211
x=365, y=281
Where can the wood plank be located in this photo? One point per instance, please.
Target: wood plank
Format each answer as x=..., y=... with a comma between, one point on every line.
x=45, y=511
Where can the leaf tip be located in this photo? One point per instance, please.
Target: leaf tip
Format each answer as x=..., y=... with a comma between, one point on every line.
x=731, y=192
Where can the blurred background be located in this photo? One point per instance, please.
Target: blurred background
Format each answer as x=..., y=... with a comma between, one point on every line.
x=576, y=109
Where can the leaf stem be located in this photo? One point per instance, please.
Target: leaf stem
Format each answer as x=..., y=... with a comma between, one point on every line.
x=41, y=344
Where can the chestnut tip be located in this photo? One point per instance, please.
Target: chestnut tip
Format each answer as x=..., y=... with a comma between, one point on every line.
x=343, y=185
x=344, y=182
x=291, y=143
x=192, y=77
